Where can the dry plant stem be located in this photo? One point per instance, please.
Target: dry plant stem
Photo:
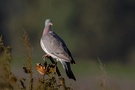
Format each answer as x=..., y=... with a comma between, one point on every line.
x=5, y=65
x=102, y=67
x=62, y=83
x=43, y=78
x=29, y=58
x=57, y=70
x=106, y=84
x=22, y=84
x=61, y=79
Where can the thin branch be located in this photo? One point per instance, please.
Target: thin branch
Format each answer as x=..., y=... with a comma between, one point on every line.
x=57, y=70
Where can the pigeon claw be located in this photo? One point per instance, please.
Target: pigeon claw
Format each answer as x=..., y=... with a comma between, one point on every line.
x=45, y=56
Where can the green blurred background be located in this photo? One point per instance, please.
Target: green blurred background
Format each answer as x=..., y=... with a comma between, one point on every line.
x=90, y=28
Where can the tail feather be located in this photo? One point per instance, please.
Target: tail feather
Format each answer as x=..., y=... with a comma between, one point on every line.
x=66, y=66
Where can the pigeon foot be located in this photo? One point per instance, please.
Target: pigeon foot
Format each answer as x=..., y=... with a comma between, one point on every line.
x=45, y=56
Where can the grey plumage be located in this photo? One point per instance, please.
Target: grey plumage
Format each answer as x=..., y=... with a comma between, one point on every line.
x=54, y=46
x=66, y=66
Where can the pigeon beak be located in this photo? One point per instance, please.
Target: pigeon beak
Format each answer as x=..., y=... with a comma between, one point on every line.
x=50, y=24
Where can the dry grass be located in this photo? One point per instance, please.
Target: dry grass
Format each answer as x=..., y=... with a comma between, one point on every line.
x=28, y=67
x=54, y=80
x=7, y=78
x=104, y=82
x=8, y=81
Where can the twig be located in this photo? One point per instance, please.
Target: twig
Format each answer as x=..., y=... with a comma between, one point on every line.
x=57, y=70
x=61, y=79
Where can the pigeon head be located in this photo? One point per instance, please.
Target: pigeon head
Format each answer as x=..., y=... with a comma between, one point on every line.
x=48, y=23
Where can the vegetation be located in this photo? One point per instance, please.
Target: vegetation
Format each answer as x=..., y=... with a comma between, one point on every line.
x=51, y=79
x=90, y=28
x=7, y=78
x=11, y=82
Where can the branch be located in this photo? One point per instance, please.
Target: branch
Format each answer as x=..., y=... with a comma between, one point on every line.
x=57, y=70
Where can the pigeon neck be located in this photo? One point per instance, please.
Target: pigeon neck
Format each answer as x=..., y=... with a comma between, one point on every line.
x=46, y=30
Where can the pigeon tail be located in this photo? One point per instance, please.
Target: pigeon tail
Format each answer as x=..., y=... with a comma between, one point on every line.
x=66, y=66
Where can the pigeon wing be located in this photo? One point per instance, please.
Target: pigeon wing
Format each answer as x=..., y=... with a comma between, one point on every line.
x=56, y=46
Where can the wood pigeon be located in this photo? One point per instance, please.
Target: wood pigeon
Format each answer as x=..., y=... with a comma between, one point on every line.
x=55, y=47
